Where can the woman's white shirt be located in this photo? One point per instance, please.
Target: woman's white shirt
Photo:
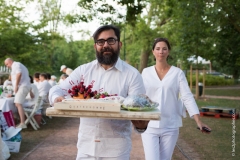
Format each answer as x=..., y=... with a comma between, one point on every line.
x=167, y=93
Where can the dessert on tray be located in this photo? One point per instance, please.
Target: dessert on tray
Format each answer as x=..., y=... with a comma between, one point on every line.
x=85, y=99
x=81, y=91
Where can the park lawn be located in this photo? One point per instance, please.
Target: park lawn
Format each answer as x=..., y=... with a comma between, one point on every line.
x=217, y=144
x=221, y=92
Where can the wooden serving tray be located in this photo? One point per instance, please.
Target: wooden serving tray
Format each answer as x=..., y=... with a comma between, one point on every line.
x=123, y=114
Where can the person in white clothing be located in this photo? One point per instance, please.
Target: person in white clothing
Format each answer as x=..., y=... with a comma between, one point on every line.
x=43, y=87
x=48, y=76
x=32, y=96
x=168, y=86
x=62, y=78
x=36, y=79
x=21, y=85
x=52, y=81
x=105, y=139
x=66, y=70
x=7, y=82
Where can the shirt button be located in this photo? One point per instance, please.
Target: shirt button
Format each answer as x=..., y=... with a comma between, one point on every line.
x=97, y=140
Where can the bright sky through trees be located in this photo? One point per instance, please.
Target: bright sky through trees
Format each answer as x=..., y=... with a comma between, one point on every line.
x=32, y=11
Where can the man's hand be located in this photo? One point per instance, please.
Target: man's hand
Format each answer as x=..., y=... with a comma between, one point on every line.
x=58, y=99
x=9, y=95
x=140, y=124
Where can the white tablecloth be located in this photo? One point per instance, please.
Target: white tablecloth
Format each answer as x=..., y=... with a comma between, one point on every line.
x=7, y=104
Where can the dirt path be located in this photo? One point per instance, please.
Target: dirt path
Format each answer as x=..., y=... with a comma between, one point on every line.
x=57, y=141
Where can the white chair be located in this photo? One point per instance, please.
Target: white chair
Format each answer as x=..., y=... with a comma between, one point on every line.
x=44, y=106
x=30, y=112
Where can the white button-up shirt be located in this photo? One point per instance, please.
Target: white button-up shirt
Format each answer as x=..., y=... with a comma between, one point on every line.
x=166, y=92
x=103, y=137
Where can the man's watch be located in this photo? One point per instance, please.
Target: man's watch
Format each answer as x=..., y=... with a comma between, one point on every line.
x=140, y=130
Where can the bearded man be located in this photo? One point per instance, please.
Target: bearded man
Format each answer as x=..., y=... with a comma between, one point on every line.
x=98, y=138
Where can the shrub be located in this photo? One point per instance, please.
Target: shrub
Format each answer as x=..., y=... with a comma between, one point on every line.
x=211, y=80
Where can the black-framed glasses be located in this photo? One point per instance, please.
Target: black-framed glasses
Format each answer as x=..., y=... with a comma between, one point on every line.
x=110, y=41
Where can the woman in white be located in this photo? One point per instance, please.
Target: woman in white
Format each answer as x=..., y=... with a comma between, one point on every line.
x=164, y=84
x=32, y=96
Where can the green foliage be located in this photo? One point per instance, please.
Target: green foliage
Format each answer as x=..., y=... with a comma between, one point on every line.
x=108, y=13
x=41, y=50
x=209, y=29
x=226, y=36
x=138, y=39
x=211, y=80
x=14, y=38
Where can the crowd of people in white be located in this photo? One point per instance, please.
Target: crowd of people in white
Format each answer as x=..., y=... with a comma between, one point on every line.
x=26, y=88
x=40, y=84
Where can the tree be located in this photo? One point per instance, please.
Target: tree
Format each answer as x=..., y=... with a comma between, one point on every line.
x=224, y=17
x=15, y=39
x=108, y=12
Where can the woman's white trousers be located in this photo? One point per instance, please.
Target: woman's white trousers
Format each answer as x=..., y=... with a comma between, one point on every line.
x=159, y=143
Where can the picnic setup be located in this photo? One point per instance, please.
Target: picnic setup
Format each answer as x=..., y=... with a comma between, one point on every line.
x=11, y=135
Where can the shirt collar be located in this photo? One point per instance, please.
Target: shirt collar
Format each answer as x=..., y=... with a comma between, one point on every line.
x=118, y=65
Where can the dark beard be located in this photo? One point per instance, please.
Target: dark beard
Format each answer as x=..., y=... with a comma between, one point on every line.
x=107, y=59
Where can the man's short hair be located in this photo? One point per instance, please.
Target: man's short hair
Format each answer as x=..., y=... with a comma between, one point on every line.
x=48, y=75
x=43, y=75
x=36, y=75
x=104, y=28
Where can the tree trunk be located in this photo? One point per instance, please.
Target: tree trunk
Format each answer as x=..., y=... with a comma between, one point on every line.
x=144, y=60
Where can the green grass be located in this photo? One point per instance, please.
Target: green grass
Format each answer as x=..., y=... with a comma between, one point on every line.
x=219, y=102
x=221, y=92
x=217, y=144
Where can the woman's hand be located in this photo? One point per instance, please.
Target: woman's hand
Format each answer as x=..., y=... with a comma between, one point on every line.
x=201, y=125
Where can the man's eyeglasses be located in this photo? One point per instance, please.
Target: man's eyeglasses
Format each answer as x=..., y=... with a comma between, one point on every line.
x=110, y=41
